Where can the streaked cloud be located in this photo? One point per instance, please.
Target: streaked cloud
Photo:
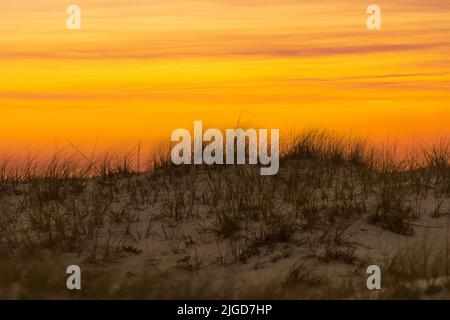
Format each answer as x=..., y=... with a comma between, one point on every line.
x=279, y=62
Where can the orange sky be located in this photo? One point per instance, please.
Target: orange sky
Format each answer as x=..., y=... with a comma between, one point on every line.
x=139, y=69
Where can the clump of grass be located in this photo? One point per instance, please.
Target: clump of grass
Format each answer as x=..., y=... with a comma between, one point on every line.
x=393, y=210
x=302, y=274
x=415, y=272
x=315, y=144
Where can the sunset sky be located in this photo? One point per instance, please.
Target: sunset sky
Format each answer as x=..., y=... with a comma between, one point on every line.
x=139, y=69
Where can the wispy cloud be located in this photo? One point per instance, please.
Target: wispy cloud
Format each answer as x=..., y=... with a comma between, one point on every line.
x=280, y=60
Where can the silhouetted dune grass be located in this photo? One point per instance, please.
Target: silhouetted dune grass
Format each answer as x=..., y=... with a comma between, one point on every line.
x=140, y=222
